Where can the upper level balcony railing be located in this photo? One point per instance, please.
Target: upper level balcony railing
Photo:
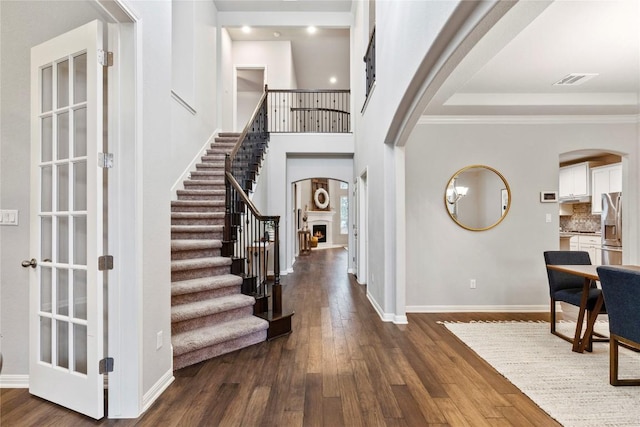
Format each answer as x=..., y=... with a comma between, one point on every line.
x=309, y=111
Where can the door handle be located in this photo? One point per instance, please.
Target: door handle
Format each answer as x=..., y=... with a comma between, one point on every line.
x=31, y=263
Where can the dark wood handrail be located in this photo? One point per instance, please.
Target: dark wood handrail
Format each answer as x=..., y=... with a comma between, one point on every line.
x=311, y=90
x=331, y=110
x=243, y=135
x=248, y=202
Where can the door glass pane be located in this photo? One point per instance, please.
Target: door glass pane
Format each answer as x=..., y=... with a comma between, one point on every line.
x=80, y=294
x=46, y=189
x=80, y=78
x=45, y=339
x=63, y=83
x=80, y=186
x=46, y=239
x=45, y=289
x=47, y=139
x=62, y=300
x=80, y=348
x=47, y=89
x=80, y=240
x=80, y=132
x=63, y=240
x=62, y=343
x=63, y=187
x=63, y=136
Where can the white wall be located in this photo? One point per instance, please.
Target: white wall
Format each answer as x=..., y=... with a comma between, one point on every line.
x=276, y=59
x=506, y=261
x=195, y=122
x=294, y=157
x=166, y=138
x=19, y=34
x=404, y=33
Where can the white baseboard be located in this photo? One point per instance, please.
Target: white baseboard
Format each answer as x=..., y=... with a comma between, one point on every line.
x=477, y=308
x=400, y=320
x=158, y=388
x=192, y=166
x=14, y=381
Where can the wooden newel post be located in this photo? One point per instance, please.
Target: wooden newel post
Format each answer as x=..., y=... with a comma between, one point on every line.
x=277, y=288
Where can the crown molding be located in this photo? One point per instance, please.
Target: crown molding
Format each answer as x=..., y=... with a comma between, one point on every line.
x=528, y=120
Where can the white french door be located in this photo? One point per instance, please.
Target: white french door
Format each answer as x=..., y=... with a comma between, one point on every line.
x=66, y=288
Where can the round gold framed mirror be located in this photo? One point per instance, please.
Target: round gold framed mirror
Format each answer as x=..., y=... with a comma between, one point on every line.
x=477, y=197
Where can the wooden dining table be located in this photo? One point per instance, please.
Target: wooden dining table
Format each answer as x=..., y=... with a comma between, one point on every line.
x=590, y=275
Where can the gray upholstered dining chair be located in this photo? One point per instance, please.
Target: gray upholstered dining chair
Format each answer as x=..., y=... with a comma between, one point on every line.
x=621, y=291
x=568, y=288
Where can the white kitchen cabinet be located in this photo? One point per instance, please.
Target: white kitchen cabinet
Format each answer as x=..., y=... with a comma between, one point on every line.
x=574, y=181
x=574, y=244
x=592, y=245
x=604, y=179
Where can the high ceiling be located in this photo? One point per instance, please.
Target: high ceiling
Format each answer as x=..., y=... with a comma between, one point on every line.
x=316, y=57
x=512, y=70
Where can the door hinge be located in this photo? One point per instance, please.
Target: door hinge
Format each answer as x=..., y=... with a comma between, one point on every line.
x=105, y=262
x=105, y=365
x=105, y=160
x=105, y=58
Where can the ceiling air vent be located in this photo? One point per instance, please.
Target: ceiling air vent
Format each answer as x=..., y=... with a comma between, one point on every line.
x=575, y=79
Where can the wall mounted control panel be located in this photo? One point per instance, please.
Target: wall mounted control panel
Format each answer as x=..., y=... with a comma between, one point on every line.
x=8, y=217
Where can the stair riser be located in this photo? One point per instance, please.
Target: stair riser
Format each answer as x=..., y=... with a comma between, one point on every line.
x=210, y=165
x=195, y=221
x=197, y=235
x=197, y=253
x=196, y=208
x=176, y=276
x=216, y=350
x=203, y=197
x=208, y=175
x=214, y=185
x=210, y=320
x=200, y=296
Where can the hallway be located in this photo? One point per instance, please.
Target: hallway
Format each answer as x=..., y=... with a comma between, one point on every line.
x=341, y=366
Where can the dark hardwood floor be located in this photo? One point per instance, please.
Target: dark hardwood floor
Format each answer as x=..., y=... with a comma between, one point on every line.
x=341, y=366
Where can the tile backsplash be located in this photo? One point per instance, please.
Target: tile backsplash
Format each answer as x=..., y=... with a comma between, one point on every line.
x=581, y=220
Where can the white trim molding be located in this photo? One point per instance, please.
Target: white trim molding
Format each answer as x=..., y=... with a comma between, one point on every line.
x=158, y=388
x=14, y=381
x=192, y=166
x=529, y=120
x=477, y=308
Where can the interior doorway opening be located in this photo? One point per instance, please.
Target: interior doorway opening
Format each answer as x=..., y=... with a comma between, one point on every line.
x=249, y=83
x=321, y=206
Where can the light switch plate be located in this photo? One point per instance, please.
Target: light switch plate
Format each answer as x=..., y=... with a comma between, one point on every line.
x=8, y=217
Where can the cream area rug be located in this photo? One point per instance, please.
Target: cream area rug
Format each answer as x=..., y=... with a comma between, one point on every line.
x=573, y=388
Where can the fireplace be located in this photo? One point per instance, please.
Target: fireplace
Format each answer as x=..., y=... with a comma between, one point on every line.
x=320, y=231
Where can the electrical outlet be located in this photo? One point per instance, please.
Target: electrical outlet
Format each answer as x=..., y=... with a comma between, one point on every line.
x=472, y=283
x=159, y=340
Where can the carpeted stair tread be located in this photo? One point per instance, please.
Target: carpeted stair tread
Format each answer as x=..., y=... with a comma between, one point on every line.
x=193, y=340
x=193, y=310
x=205, y=284
x=229, y=134
x=196, y=228
x=191, y=244
x=197, y=215
x=192, y=264
x=209, y=203
x=204, y=193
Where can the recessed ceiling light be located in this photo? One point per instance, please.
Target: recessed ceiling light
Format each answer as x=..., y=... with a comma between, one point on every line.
x=276, y=34
x=333, y=80
x=311, y=30
x=246, y=29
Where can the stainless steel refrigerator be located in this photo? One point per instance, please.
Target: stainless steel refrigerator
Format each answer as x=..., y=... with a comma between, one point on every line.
x=612, y=229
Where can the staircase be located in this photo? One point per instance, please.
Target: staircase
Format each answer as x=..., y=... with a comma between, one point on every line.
x=209, y=314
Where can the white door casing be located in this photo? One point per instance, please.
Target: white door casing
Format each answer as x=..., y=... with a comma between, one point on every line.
x=66, y=287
